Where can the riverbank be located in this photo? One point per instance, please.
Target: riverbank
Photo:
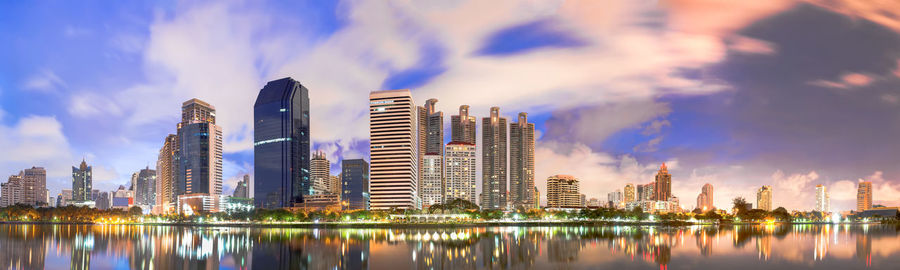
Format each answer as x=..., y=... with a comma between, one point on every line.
x=387, y=225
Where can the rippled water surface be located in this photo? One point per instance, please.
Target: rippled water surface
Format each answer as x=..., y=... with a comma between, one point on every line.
x=586, y=247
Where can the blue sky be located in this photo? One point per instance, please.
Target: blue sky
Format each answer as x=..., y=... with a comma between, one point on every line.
x=789, y=94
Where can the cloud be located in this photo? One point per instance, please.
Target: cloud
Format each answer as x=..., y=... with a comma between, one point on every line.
x=793, y=191
x=36, y=141
x=846, y=81
x=44, y=81
x=884, y=191
x=90, y=104
x=750, y=45
x=883, y=12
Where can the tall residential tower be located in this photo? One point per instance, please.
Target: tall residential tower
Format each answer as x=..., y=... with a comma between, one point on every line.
x=521, y=162
x=494, y=161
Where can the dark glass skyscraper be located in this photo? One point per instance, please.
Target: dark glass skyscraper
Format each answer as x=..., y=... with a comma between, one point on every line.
x=281, y=144
x=355, y=184
x=81, y=183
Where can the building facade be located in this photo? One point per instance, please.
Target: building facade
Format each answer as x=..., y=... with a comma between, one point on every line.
x=864, y=196
x=462, y=126
x=281, y=144
x=494, y=161
x=394, y=143
x=459, y=173
x=355, y=184
x=242, y=189
x=663, y=188
x=521, y=162
x=705, y=199
x=82, y=182
x=629, y=193
x=822, y=199
x=764, y=198
x=145, y=188
x=198, y=153
x=165, y=176
x=616, y=199
x=563, y=192
x=431, y=185
x=320, y=173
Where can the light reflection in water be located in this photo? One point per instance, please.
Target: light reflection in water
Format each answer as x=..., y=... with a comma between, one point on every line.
x=174, y=247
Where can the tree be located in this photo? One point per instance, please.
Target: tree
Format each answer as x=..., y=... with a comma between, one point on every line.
x=135, y=211
x=741, y=205
x=781, y=214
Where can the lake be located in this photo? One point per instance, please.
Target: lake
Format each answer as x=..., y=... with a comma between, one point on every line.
x=755, y=247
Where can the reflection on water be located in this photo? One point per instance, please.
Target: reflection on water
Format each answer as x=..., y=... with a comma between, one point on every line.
x=649, y=247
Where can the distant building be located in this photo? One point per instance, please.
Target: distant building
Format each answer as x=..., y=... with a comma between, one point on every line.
x=521, y=162
x=104, y=201
x=764, y=198
x=145, y=188
x=536, y=198
x=864, y=196
x=616, y=199
x=459, y=172
x=165, y=177
x=241, y=189
x=705, y=199
x=355, y=184
x=822, y=199
x=629, y=193
x=563, y=192
x=394, y=143
x=593, y=202
x=33, y=185
x=320, y=173
x=431, y=185
x=494, y=161
x=65, y=197
x=281, y=144
x=646, y=192
x=122, y=198
x=81, y=183
x=462, y=126
x=12, y=192
x=663, y=188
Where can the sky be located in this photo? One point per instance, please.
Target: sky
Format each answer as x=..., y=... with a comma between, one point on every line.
x=738, y=94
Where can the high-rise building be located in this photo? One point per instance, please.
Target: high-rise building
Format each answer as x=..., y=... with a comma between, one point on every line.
x=563, y=192
x=65, y=197
x=145, y=188
x=165, y=177
x=198, y=155
x=521, y=162
x=104, y=201
x=431, y=185
x=764, y=198
x=629, y=193
x=81, y=183
x=355, y=184
x=242, y=188
x=705, y=199
x=320, y=173
x=864, y=196
x=616, y=199
x=663, y=188
x=822, y=199
x=536, y=198
x=431, y=180
x=646, y=192
x=11, y=192
x=421, y=126
x=34, y=183
x=459, y=172
x=394, y=143
x=494, y=161
x=462, y=126
x=281, y=144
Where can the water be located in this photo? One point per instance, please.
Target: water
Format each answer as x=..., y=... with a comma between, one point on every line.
x=567, y=247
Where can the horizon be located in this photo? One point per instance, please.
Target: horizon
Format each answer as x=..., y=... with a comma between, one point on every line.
x=786, y=94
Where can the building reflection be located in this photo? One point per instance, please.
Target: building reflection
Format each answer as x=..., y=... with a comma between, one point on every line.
x=176, y=247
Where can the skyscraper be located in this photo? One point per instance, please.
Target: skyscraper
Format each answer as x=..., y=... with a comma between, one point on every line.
x=460, y=172
x=281, y=144
x=431, y=185
x=12, y=191
x=320, y=173
x=616, y=199
x=355, y=184
x=462, y=126
x=864, y=196
x=165, y=177
x=629, y=193
x=822, y=199
x=434, y=128
x=521, y=162
x=34, y=183
x=394, y=143
x=563, y=192
x=764, y=198
x=705, y=199
x=663, y=188
x=198, y=155
x=145, y=188
x=242, y=189
x=81, y=183
x=494, y=161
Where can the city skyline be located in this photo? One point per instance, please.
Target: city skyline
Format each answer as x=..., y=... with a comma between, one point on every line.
x=714, y=101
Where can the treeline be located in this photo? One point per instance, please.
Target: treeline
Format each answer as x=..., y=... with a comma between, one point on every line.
x=22, y=212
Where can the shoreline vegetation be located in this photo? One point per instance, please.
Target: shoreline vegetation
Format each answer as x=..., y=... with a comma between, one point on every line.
x=457, y=213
